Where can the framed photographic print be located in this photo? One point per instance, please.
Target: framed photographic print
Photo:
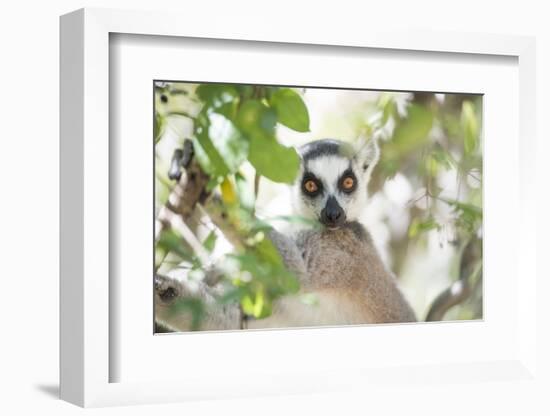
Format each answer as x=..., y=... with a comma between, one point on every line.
x=282, y=223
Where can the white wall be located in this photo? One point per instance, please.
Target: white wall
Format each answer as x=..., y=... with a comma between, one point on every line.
x=29, y=207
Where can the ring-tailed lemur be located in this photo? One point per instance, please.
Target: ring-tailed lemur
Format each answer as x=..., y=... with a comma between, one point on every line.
x=339, y=264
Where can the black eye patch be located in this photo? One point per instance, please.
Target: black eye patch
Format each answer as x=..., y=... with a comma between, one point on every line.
x=347, y=182
x=311, y=186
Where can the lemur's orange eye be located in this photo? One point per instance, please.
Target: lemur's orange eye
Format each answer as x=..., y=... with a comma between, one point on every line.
x=310, y=186
x=348, y=183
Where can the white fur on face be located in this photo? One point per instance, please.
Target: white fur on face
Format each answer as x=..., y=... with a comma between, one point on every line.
x=329, y=169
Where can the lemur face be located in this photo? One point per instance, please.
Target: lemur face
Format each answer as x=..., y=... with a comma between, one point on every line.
x=332, y=183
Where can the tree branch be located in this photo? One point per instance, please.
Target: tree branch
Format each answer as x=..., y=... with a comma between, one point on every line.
x=459, y=291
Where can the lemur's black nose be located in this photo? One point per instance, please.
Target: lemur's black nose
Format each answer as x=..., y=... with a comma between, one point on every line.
x=332, y=215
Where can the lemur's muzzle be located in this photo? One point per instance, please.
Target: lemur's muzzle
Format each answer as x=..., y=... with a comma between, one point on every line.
x=332, y=215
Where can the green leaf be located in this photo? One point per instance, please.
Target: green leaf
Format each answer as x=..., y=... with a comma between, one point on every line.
x=462, y=206
x=232, y=295
x=231, y=144
x=208, y=156
x=221, y=146
x=257, y=304
x=269, y=279
x=171, y=242
x=298, y=220
x=419, y=226
x=388, y=106
x=209, y=242
x=410, y=134
x=255, y=118
x=268, y=271
x=250, y=263
x=229, y=110
x=414, y=130
x=245, y=192
x=469, y=215
x=158, y=127
x=469, y=127
x=443, y=158
x=273, y=160
x=212, y=183
x=268, y=252
x=269, y=91
x=215, y=95
x=245, y=90
x=190, y=305
x=291, y=110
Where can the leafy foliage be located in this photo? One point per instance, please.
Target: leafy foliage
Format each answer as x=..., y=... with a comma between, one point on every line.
x=237, y=123
x=235, y=128
x=430, y=139
x=234, y=124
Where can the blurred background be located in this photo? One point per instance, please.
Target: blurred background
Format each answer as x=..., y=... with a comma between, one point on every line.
x=425, y=195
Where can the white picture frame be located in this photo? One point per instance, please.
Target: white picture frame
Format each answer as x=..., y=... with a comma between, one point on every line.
x=86, y=355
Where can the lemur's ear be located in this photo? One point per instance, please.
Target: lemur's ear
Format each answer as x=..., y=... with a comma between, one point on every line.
x=367, y=153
